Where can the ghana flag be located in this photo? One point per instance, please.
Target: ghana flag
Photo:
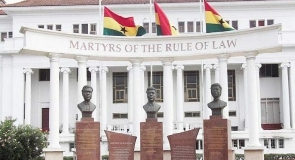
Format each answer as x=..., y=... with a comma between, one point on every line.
x=214, y=22
x=115, y=25
x=163, y=25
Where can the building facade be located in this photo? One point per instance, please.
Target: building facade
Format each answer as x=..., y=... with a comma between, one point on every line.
x=49, y=50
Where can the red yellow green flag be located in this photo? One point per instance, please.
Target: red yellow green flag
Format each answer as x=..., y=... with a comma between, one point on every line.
x=115, y=25
x=214, y=22
x=163, y=25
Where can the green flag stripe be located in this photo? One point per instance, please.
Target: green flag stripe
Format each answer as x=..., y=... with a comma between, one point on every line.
x=159, y=31
x=216, y=28
x=111, y=32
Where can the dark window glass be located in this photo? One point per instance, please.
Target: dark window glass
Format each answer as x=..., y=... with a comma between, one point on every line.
x=84, y=28
x=44, y=74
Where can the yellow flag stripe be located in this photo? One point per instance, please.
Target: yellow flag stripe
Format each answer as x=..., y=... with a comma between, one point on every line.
x=110, y=23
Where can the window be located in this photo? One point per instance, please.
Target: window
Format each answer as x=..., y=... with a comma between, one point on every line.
x=261, y=22
x=58, y=27
x=76, y=28
x=71, y=146
x=191, y=114
x=252, y=23
x=234, y=128
x=191, y=86
x=190, y=26
x=160, y=115
x=50, y=27
x=281, y=143
x=270, y=21
x=232, y=113
x=93, y=28
x=120, y=116
x=274, y=143
x=41, y=26
x=120, y=87
x=88, y=73
x=181, y=27
x=269, y=70
x=157, y=84
x=199, y=144
x=231, y=85
x=84, y=28
x=270, y=111
x=10, y=34
x=198, y=26
x=44, y=74
x=3, y=36
x=147, y=27
x=235, y=24
x=238, y=143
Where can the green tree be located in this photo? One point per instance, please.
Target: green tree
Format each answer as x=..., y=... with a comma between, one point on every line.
x=23, y=142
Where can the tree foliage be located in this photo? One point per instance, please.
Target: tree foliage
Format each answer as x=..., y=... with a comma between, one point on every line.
x=22, y=142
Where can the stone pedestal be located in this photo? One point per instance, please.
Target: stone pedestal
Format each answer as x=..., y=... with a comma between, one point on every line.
x=151, y=140
x=217, y=138
x=183, y=145
x=254, y=153
x=53, y=153
x=121, y=146
x=87, y=139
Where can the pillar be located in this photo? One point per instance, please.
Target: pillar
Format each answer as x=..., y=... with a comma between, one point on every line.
x=257, y=67
x=285, y=95
x=130, y=98
x=223, y=81
x=142, y=97
x=245, y=101
x=136, y=64
x=216, y=68
x=103, y=90
x=93, y=82
x=180, y=96
x=54, y=101
x=292, y=93
x=65, y=100
x=168, y=99
x=28, y=93
x=254, y=149
x=82, y=81
x=208, y=96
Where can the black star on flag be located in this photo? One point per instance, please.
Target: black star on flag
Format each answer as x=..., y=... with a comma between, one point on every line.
x=123, y=29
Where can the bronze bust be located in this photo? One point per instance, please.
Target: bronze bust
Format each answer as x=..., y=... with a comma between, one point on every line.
x=86, y=107
x=151, y=107
x=216, y=105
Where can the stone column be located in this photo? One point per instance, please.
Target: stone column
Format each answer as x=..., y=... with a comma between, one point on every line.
x=223, y=80
x=130, y=98
x=28, y=93
x=292, y=93
x=257, y=67
x=103, y=90
x=285, y=95
x=245, y=101
x=136, y=64
x=216, y=67
x=93, y=71
x=143, y=90
x=168, y=99
x=65, y=100
x=82, y=80
x=254, y=150
x=208, y=96
x=180, y=96
x=54, y=151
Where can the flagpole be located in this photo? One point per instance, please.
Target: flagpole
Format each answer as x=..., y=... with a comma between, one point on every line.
x=201, y=15
x=150, y=24
x=100, y=19
x=151, y=84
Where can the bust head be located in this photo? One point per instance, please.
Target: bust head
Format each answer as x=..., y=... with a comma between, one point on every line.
x=151, y=94
x=216, y=90
x=87, y=92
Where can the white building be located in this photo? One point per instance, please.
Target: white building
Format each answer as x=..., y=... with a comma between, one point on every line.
x=39, y=37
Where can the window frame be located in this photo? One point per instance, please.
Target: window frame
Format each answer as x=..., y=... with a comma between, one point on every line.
x=188, y=91
x=120, y=90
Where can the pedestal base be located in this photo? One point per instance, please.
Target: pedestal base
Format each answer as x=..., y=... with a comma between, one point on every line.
x=53, y=153
x=254, y=153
